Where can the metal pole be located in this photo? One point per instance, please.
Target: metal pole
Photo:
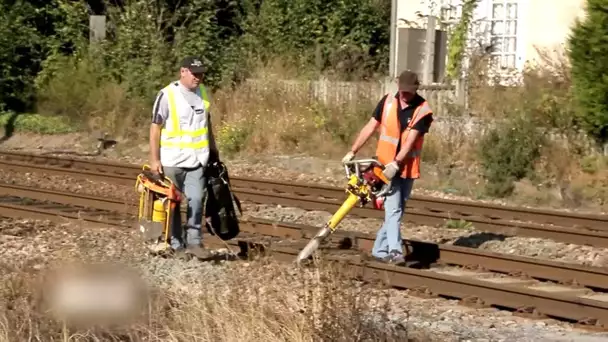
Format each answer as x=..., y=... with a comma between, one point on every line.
x=97, y=28
x=429, y=51
x=392, y=59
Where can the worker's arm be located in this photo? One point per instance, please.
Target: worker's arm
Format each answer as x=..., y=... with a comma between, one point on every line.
x=407, y=146
x=155, y=142
x=160, y=112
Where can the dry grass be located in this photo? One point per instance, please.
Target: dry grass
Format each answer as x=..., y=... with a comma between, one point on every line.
x=269, y=118
x=261, y=301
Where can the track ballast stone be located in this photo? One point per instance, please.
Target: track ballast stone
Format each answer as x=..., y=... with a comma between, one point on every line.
x=524, y=246
x=40, y=243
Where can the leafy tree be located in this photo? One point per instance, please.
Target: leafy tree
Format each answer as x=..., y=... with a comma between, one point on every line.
x=330, y=36
x=30, y=31
x=146, y=39
x=588, y=52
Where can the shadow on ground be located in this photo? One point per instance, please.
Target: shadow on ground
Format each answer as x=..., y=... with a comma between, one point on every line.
x=423, y=254
x=103, y=143
x=478, y=239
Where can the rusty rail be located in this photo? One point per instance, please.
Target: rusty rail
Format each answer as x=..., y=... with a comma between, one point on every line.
x=571, y=227
x=571, y=304
x=425, y=253
x=512, y=296
x=265, y=192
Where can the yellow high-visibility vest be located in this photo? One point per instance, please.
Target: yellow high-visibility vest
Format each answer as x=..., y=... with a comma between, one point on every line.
x=184, y=140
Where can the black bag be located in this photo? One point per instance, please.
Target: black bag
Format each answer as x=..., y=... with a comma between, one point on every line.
x=220, y=214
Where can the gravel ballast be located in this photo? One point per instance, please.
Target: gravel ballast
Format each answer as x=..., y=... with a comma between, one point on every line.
x=39, y=243
x=466, y=237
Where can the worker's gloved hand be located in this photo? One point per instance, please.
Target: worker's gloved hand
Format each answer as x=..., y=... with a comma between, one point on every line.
x=348, y=157
x=390, y=170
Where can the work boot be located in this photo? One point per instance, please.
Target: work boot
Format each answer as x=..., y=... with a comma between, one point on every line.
x=384, y=259
x=396, y=258
x=198, y=252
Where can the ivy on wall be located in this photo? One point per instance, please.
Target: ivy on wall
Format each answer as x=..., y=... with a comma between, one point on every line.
x=458, y=39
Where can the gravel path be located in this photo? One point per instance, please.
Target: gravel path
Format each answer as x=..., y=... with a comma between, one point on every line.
x=74, y=185
x=39, y=243
x=524, y=246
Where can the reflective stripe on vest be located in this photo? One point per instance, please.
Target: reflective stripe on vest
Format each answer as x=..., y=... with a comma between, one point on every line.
x=176, y=131
x=383, y=135
x=393, y=140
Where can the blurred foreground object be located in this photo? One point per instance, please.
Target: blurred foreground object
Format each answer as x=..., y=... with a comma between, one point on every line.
x=93, y=295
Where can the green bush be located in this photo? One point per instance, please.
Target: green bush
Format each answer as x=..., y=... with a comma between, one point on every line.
x=30, y=33
x=35, y=123
x=509, y=153
x=147, y=38
x=589, y=57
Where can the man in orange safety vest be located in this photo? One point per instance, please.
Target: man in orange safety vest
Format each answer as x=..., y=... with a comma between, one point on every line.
x=403, y=119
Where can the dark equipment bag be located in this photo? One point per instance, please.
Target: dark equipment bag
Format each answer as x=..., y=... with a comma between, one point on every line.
x=220, y=213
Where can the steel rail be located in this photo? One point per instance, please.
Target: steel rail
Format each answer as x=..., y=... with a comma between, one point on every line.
x=557, y=305
x=428, y=217
x=453, y=208
x=415, y=215
x=571, y=305
x=425, y=253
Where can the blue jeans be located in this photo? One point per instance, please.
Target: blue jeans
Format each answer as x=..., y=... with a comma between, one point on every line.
x=388, y=238
x=192, y=183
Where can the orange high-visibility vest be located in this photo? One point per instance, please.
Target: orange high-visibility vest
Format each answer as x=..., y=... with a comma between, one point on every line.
x=390, y=134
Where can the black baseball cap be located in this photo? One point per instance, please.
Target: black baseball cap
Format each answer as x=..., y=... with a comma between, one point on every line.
x=408, y=81
x=194, y=64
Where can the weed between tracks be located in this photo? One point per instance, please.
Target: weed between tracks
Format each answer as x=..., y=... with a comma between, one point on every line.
x=254, y=301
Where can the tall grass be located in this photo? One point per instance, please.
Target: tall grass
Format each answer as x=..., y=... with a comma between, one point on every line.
x=261, y=300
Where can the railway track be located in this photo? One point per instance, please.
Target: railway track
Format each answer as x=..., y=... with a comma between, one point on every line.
x=559, y=226
x=558, y=290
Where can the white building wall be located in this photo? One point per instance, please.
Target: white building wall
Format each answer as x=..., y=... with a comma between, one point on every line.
x=516, y=27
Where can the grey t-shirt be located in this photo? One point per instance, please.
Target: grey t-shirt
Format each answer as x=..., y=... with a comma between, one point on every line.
x=160, y=111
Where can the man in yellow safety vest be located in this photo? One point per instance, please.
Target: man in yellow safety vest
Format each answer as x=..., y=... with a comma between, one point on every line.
x=181, y=143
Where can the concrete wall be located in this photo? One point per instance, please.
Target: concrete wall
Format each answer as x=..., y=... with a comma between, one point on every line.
x=548, y=25
x=407, y=13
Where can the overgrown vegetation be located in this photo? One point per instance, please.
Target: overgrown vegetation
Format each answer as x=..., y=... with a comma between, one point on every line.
x=538, y=130
x=268, y=302
x=458, y=40
x=589, y=56
x=509, y=153
x=147, y=38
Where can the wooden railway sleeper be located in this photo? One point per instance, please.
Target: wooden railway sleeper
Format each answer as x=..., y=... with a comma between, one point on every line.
x=530, y=312
x=423, y=292
x=474, y=302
